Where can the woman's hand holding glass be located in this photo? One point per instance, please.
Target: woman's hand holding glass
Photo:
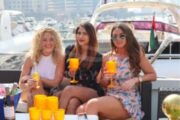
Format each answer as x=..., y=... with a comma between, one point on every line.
x=106, y=77
x=27, y=82
x=73, y=67
x=25, y=79
x=31, y=83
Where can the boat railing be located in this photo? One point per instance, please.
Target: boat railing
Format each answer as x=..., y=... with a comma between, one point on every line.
x=13, y=53
x=165, y=56
x=11, y=61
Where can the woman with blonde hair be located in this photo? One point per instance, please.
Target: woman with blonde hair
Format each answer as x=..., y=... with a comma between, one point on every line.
x=44, y=65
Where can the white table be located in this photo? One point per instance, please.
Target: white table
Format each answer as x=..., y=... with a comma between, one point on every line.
x=25, y=116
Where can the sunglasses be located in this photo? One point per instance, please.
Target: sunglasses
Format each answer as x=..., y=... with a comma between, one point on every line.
x=121, y=37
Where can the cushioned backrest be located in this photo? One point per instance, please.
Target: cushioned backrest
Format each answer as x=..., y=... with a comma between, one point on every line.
x=9, y=76
x=146, y=91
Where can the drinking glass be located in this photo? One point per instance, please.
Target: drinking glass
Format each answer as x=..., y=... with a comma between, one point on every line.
x=40, y=101
x=111, y=69
x=52, y=103
x=59, y=114
x=46, y=115
x=36, y=77
x=34, y=113
x=73, y=66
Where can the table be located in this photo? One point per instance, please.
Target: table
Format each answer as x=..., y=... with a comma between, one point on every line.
x=25, y=116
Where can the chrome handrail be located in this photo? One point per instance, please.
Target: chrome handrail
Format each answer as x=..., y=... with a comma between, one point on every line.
x=171, y=56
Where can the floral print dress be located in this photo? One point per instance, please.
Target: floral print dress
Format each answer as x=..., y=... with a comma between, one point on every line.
x=131, y=99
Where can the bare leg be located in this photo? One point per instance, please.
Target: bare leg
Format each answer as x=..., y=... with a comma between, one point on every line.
x=24, y=95
x=58, y=94
x=29, y=99
x=81, y=109
x=73, y=105
x=105, y=109
x=82, y=93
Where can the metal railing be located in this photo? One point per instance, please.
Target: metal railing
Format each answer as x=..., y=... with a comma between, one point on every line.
x=165, y=56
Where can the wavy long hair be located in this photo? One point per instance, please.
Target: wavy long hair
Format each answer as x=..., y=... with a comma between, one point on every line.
x=36, y=48
x=92, y=45
x=132, y=47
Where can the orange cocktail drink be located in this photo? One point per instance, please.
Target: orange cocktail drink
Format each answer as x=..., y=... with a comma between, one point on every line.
x=36, y=77
x=111, y=66
x=73, y=66
x=111, y=69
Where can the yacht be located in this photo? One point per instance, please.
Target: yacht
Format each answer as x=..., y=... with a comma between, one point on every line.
x=139, y=15
x=15, y=32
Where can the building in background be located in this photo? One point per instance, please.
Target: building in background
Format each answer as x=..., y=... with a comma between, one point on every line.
x=1, y=5
x=52, y=8
x=39, y=8
x=36, y=8
x=56, y=8
x=80, y=6
x=21, y=5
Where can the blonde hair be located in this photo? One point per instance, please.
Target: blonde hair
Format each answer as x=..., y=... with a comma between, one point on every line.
x=36, y=49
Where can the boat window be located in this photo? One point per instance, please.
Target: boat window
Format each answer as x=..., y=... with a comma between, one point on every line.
x=173, y=48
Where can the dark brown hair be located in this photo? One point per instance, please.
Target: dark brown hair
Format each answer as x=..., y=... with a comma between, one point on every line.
x=132, y=47
x=92, y=46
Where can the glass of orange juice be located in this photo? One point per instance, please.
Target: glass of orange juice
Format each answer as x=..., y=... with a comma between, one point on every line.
x=46, y=115
x=59, y=114
x=73, y=66
x=36, y=77
x=52, y=103
x=111, y=69
x=40, y=101
x=34, y=113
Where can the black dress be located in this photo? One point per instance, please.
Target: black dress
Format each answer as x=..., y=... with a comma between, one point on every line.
x=86, y=77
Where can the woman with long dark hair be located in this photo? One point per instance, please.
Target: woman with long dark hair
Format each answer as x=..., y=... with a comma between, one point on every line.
x=85, y=49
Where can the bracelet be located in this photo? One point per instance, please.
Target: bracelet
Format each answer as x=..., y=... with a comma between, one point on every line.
x=140, y=79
